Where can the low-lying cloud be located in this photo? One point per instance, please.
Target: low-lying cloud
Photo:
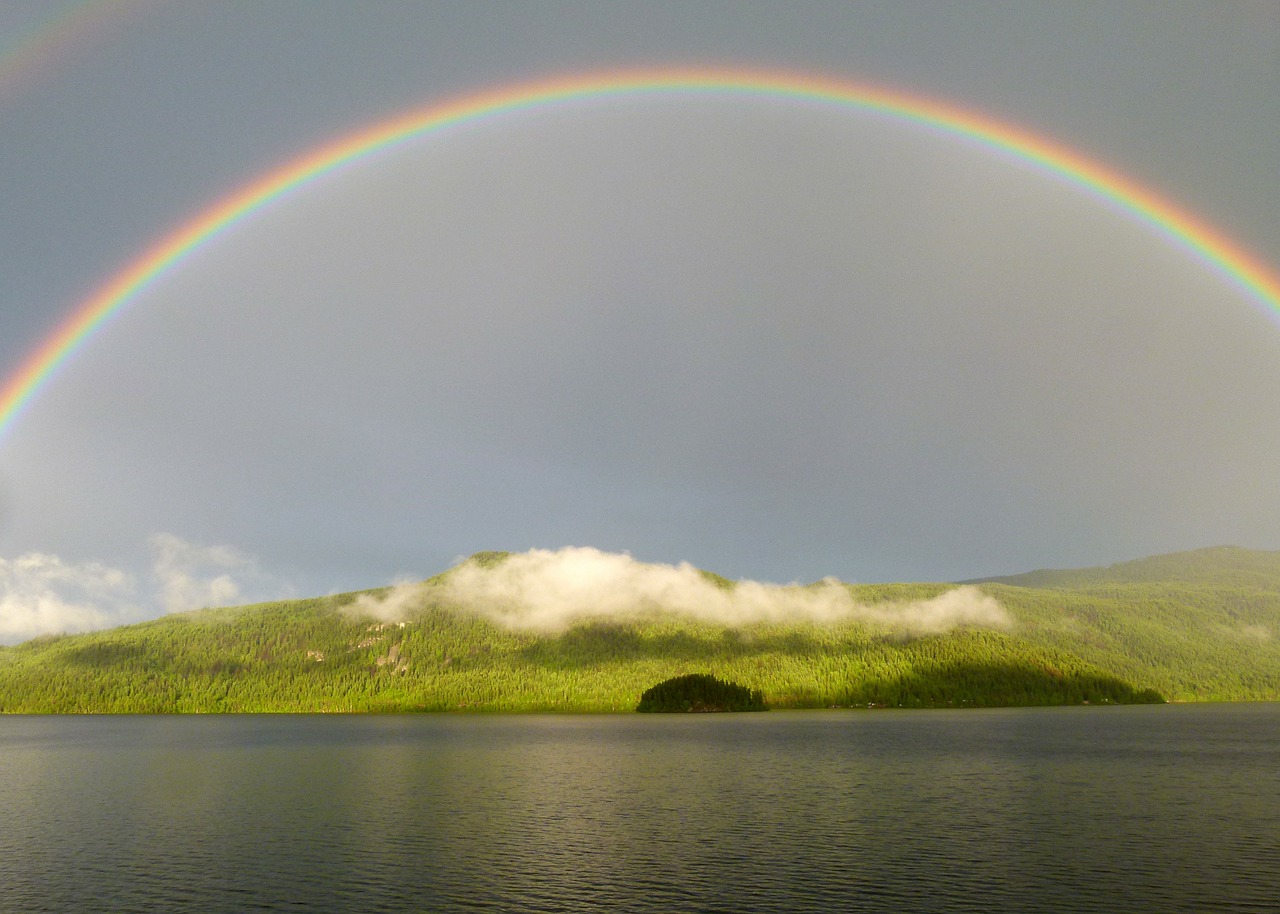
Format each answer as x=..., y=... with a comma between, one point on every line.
x=551, y=590
x=395, y=605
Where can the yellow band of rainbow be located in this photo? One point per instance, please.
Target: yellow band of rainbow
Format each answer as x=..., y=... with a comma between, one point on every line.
x=1199, y=239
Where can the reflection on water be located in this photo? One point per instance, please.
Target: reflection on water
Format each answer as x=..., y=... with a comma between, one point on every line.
x=1077, y=809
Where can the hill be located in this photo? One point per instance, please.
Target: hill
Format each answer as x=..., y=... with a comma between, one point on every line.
x=1200, y=625
x=1191, y=626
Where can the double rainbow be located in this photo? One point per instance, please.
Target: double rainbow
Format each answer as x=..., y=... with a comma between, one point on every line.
x=1198, y=239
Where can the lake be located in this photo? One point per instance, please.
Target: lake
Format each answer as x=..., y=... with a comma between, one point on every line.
x=1107, y=809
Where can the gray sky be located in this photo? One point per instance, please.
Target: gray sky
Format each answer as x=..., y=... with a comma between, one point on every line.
x=775, y=341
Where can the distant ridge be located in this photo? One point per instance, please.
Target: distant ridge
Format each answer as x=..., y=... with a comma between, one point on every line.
x=1216, y=566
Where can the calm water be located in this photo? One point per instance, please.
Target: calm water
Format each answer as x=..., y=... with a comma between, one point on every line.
x=1155, y=809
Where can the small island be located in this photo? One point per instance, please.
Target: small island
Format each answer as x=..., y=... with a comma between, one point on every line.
x=696, y=692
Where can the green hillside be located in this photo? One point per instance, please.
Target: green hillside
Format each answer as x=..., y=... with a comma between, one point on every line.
x=1192, y=626
x=1196, y=626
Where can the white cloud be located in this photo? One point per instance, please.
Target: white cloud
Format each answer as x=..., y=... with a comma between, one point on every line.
x=394, y=605
x=550, y=590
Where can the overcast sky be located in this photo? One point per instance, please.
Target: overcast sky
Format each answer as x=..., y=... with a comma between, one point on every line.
x=776, y=341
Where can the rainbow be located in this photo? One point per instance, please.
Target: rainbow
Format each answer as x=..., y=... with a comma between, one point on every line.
x=1200, y=240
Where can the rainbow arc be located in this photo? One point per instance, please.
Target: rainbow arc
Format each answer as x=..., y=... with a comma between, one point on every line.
x=1254, y=280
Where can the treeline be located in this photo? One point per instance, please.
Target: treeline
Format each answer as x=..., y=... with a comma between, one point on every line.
x=986, y=685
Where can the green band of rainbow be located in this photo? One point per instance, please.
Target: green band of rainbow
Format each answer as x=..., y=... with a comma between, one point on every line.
x=1193, y=235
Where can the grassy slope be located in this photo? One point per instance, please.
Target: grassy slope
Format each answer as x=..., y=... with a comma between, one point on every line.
x=1194, y=626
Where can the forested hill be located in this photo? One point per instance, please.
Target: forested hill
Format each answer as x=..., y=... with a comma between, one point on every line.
x=1200, y=625
x=1203, y=625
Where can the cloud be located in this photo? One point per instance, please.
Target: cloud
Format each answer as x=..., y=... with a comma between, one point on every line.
x=551, y=590
x=394, y=605
x=44, y=594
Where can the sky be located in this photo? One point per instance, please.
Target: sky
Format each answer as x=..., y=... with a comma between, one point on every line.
x=775, y=340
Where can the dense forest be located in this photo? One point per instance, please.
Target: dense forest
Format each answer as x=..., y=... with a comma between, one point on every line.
x=699, y=692
x=1192, y=627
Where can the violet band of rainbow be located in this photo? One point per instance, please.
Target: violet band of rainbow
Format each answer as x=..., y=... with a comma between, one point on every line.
x=1248, y=275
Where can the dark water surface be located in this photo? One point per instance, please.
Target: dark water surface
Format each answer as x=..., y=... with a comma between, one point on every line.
x=1131, y=809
